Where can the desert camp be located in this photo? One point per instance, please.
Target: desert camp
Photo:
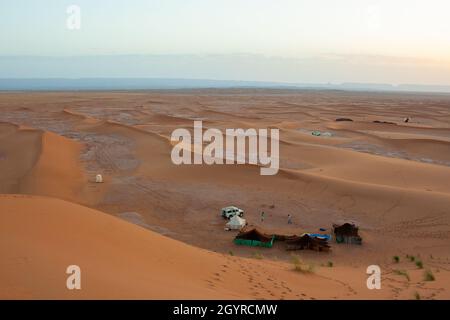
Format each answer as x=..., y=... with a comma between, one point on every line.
x=319, y=242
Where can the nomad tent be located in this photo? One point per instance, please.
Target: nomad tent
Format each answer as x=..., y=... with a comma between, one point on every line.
x=324, y=134
x=343, y=119
x=347, y=233
x=306, y=241
x=254, y=238
x=235, y=223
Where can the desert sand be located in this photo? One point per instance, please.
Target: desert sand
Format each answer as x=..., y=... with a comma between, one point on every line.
x=153, y=230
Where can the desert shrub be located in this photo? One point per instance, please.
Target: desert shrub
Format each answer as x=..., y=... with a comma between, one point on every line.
x=231, y=253
x=419, y=264
x=302, y=267
x=417, y=296
x=396, y=259
x=330, y=264
x=402, y=273
x=258, y=255
x=428, y=275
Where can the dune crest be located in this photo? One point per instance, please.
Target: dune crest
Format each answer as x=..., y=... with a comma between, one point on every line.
x=57, y=172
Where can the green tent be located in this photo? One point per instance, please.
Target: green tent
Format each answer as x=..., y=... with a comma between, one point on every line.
x=254, y=238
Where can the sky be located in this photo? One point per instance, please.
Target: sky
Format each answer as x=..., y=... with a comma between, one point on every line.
x=374, y=41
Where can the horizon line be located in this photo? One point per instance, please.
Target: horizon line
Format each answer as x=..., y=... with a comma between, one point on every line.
x=162, y=83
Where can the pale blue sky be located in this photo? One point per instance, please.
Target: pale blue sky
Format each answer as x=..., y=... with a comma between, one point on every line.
x=409, y=36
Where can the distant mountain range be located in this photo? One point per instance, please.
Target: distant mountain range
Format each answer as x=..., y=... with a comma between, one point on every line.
x=61, y=84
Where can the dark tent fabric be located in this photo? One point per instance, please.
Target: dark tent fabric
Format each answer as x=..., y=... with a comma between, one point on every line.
x=254, y=238
x=347, y=233
x=254, y=234
x=307, y=242
x=346, y=229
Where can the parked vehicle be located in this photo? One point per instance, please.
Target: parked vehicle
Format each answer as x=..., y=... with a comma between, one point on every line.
x=231, y=211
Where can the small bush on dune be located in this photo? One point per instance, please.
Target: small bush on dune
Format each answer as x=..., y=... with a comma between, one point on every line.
x=231, y=253
x=396, y=259
x=258, y=255
x=417, y=296
x=419, y=264
x=304, y=268
x=428, y=275
x=301, y=267
x=402, y=273
x=330, y=264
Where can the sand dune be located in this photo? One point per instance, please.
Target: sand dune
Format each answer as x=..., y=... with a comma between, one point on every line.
x=42, y=236
x=58, y=171
x=392, y=180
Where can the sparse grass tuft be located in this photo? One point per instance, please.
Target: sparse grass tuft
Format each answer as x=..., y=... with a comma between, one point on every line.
x=231, y=253
x=428, y=275
x=419, y=264
x=258, y=255
x=396, y=259
x=330, y=264
x=411, y=258
x=417, y=296
x=402, y=273
x=304, y=268
x=301, y=267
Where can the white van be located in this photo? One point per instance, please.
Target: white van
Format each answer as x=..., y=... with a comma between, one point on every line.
x=231, y=211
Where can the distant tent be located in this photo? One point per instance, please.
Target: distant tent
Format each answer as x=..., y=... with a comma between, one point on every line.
x=307, y=242
x=343, y=119
x=383, y=122
x=99, y=178
x=318, y=133
x=254, y=238
x=236, y=223
x=347, y=233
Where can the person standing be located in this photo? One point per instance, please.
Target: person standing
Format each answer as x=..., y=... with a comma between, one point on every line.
x=289, y=218
x=262, y=216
